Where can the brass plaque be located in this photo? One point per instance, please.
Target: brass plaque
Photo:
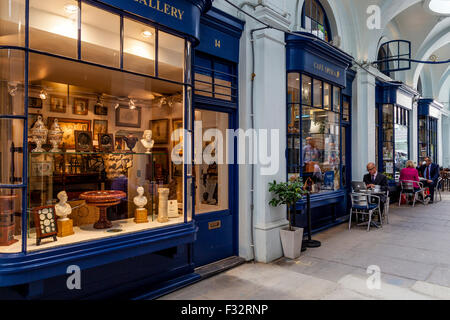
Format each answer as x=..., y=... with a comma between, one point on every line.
x=214, y=225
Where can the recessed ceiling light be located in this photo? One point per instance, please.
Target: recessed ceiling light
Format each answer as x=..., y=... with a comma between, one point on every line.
x=70, y=8
x=440, y=6
x=43, y=95
x=146, y=34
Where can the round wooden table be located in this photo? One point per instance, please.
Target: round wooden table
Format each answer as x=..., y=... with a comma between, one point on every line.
x=102, y=200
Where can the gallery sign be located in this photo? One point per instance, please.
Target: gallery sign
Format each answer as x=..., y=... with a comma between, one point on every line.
x=183, y=16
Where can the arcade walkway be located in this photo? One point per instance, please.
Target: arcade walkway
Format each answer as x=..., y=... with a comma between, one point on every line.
x=412, y=252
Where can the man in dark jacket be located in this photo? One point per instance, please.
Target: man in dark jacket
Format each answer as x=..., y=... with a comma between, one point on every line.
x=430, y=171
x=374, y=178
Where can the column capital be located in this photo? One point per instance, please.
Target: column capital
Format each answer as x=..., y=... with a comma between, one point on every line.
x=273, y=16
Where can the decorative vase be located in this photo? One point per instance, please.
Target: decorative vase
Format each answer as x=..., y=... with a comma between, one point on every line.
x=55, y=135
x=39, y=134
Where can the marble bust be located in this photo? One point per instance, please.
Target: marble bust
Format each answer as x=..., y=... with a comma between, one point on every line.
x=63, y=209
x=147, y=140
x=140, y=200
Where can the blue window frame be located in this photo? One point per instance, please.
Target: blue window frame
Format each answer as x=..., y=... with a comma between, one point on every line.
x=427, y=138
x=315, y=20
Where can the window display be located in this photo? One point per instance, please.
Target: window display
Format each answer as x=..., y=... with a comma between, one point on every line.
x=100, y=138
x=314, y=134
x=427, y=138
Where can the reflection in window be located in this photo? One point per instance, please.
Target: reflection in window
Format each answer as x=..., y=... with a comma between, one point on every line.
x=12, y=23
x=306, y=90
x=317, y=93
x=54, y=26
x=211, y=175
x=138, y=47
x=100, y=36
x=170, y=57
x=12, y=67
x=294, y=87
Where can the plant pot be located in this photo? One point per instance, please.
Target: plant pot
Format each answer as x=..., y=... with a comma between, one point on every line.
x=291, y=242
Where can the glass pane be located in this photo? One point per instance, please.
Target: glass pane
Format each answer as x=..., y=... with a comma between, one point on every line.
x=211, y=175
x=293, y=151
x=170, y=57
x=11, y=165
x=100, y=36
x=314, y=10
x=401, y=147
x=327, y=96
x=320, y=16
x=346, y=110
x=103, y=147
x=321, y=152
x=12, y=71
x=336, y=99
x=10, y=220
x=308, y=8
x=306, y=90
x=54, y=26
x=12, y=23
x=308, y=24
x=294, y=119
x=223, y=81
x=138, y=47
x=294, y=87
x=317, y=93
x=344, y=152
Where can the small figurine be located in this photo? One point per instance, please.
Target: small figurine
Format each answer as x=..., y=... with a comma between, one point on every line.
x=63, y=210
x=140, y=201
x=147, y=141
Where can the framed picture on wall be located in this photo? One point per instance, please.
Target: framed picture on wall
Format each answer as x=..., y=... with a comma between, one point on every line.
x=83, y=141
x=100, y=126
x=58, y=103
x=160, y=130
x=158, y=170
x=119, y=143
x=69, y=126
x=127, y=117
x=106, y=142
x=34, y=102
x=80, y=106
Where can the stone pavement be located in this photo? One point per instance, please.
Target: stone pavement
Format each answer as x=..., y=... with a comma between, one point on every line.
x=412, y=253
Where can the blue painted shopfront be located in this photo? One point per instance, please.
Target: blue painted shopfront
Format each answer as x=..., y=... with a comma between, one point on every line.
x=428, y=116
x=394, y=107
x=325, y=91
x=216, y=93
x=141, y=264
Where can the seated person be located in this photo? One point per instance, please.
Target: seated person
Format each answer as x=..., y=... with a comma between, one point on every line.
x=374, y=178
x=430, y=171
x=410, y=173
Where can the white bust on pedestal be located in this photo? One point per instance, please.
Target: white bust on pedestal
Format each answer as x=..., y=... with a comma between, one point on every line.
x=147, y=141
x=140, y=201
x=63, y=209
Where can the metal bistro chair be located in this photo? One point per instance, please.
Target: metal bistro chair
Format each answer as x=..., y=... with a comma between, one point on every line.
x=439, y=188
x=361, y=204
x=407, y=188
x=386, y=207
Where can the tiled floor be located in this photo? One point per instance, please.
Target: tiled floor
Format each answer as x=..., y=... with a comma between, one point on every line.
x=412, y=253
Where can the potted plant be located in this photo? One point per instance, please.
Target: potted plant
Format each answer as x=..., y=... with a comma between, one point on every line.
x=288, y=193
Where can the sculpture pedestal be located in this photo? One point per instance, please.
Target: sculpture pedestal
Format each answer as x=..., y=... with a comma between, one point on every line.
x=102, y=200
x=162, y=207
x=65, y=228
x=140, y=215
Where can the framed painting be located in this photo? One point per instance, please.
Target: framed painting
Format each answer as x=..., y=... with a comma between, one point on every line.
x=34, y=102
x=45, y=223
x=158, y=170
x=106, y=142
x=80, y=106
x=127, y=117
x=69, y=126
x=100, y=126
x=83, y=141
x=58, y=103
x=160, y=130
x=119, y=143
x=100, y=110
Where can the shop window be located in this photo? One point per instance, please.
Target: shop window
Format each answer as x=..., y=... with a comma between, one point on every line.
x=100, y=36
x=12, y=23
x=12, y=73
x=336, y=99
x=294, y=87
x=10, y=220
x=139, y=47
x=101, y=149
x=313, y=141
x=170, y=57
x=54, y=27
x=346, y=109
x=211, y=175
x=315, y=20
x=214, y=78
x=388, y=138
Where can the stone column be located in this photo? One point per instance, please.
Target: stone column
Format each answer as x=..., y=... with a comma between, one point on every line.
x=363, y=123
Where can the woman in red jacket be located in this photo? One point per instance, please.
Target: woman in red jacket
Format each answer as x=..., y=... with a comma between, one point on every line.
x=410, y=173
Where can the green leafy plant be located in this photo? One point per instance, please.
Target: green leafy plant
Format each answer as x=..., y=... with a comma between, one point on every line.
x=287, y=193
x=389, y=176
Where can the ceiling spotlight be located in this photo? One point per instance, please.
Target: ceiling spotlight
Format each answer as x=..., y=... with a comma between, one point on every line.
x=70, y=8
x=146, y=34
x=131, y=104
x=43, y=95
